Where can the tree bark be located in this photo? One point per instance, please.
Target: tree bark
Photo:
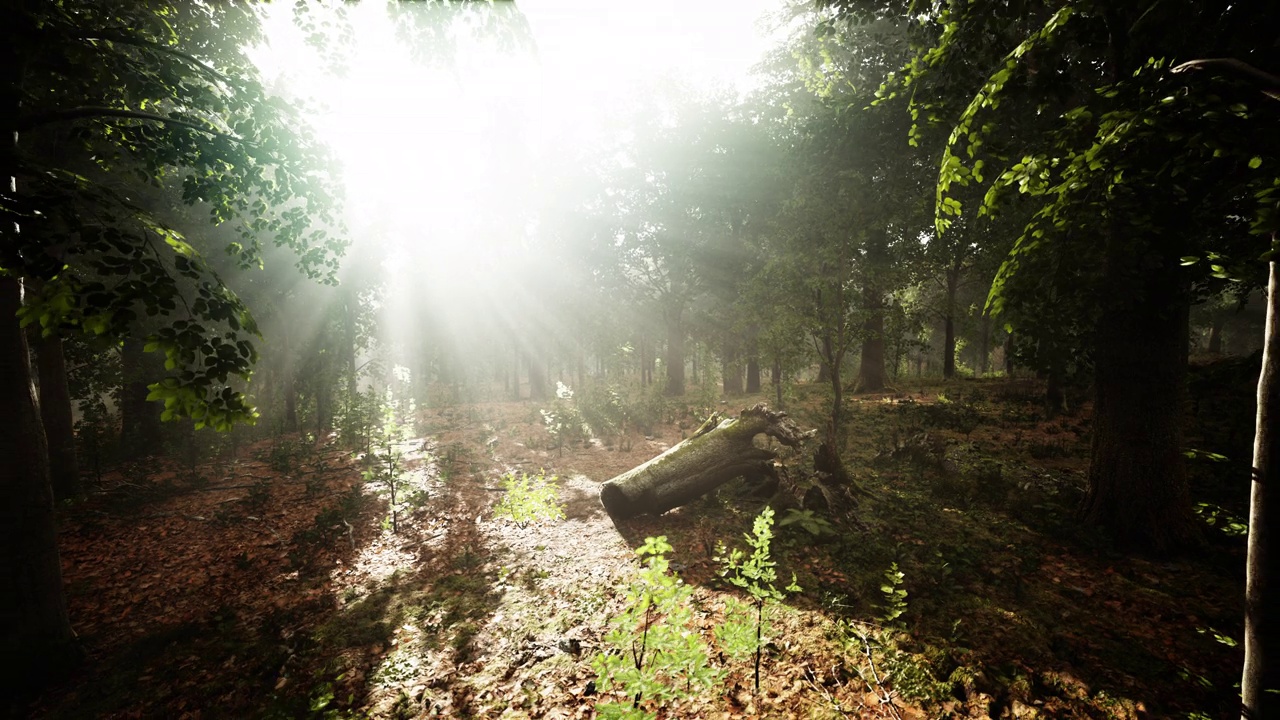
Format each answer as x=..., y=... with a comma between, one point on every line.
x=537, y=377
x=1261, y=653
x=721, y=450
x=1215, y=334
x=776, y=379
x=871, y=365
x=139, y=418
x=55, y=412
x=1137, y=476
x=949, y=323
x=675, y=351
x=36, y=640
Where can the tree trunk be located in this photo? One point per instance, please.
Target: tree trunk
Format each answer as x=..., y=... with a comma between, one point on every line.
x=139, y=418
x=753, y=374
x=776, y=378
x=537, y=377
x=824, y=372
x=55, y=411
x=36, y=641
x=721, y=450
x=984, y=345
x=1215, y=334
x=871, y=365
x=1261, y=656
x=349, y=346
x=948, y=348
x=949, y=322
x=675, y=351
x=1137, y=477
x=1008, y=355
x=731, y=365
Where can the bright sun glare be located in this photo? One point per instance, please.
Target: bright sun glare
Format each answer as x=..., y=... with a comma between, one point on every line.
x=429, y=155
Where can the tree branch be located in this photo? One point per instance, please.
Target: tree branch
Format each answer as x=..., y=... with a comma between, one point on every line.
x=124, y=39
x=93, y=111
x=1269, y=84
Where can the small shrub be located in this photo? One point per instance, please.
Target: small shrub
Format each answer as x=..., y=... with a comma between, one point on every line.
x=744, y=631
x=895, y=596
x=564, y=422
x=529, y=498
x=654, y=656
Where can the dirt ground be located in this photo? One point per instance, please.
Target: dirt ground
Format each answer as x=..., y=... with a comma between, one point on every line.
x=265, y=582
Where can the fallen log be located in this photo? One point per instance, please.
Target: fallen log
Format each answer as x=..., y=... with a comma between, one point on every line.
x=721, y=450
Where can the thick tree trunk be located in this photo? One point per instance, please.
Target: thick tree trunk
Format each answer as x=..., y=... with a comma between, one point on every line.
x=721, y=450
x=753, y=374
x=35, y=634
x=1261, y=636
x=871, y=365
x=55, y=412
x=675, y=351
x=731, y=366
x=1137, y=477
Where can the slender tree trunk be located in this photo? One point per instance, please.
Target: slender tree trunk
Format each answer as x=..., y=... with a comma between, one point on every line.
x=349, y=346
x=1008, y=355
x=1215, y=334
x=55, y=411
x=139, y=418
x=675, y=351
x=731, y=366
x=1261, y=677
x=537, y=377
x=35, y=634
x=1137, y=477
x=984, y=345
x=776, y=379
x=949, y=326
x=948, y=347
x=824, y=372
x=515, y=372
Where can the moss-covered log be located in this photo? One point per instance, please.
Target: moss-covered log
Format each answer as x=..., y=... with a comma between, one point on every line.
x=721, y=450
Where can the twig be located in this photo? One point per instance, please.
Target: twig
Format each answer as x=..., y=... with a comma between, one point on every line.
x=887, y=699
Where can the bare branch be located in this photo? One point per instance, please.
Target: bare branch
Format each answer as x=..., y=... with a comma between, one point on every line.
x=1267, y=83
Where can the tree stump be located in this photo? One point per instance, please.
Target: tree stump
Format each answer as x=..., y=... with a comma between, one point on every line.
x=721, y=450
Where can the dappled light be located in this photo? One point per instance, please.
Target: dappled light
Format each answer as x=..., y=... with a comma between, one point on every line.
x=565, y=359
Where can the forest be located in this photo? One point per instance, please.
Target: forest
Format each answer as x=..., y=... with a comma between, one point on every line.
x=551, y=359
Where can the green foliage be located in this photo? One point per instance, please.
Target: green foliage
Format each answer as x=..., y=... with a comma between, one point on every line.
x=529, y=499
x=386, y=462
x=809, y=521
x=564, y=422
x=1217, y=517
x=654, y=655
x=166, y=114
x=895, y=596
x=604, y=410
x=742, y=635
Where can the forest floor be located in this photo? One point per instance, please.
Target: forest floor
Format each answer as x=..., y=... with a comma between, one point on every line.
x=267, y=583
